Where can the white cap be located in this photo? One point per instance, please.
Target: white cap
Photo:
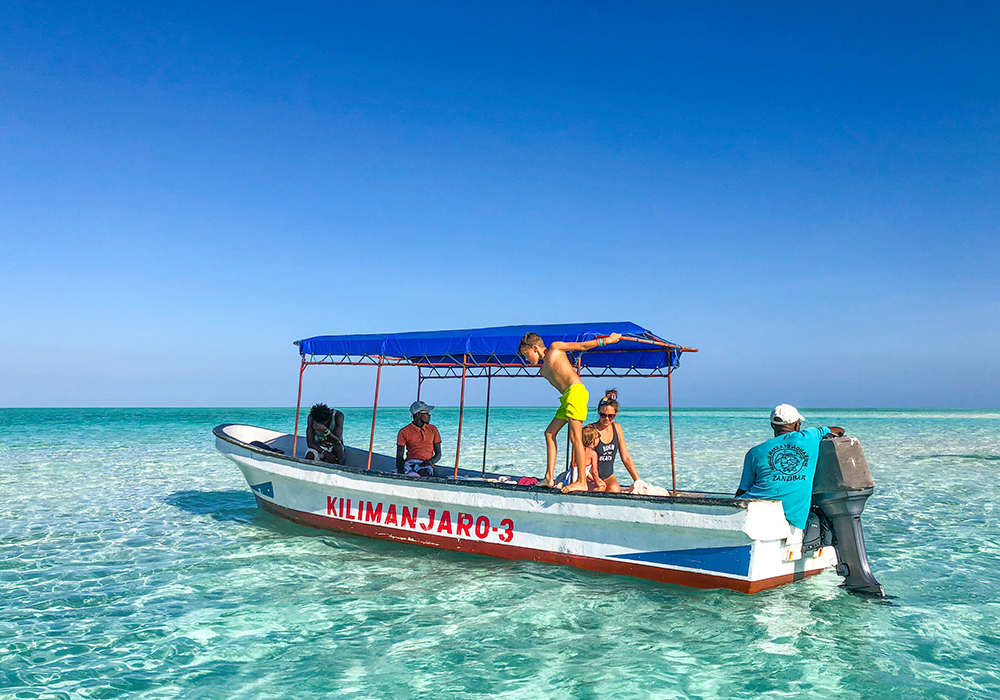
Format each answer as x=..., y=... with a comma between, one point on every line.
x=785, y=414
x=419, y=406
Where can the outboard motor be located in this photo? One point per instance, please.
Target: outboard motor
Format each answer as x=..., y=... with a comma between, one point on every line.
x=843, y=483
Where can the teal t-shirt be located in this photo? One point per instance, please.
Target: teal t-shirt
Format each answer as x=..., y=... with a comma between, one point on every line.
x=782, y=469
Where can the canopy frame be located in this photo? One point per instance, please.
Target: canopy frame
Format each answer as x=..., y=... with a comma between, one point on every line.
x=448, y=366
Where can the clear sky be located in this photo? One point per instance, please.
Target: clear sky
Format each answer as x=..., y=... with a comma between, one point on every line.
x=809, y=194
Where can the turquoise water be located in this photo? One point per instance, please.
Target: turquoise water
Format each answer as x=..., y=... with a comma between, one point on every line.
x=133, y=562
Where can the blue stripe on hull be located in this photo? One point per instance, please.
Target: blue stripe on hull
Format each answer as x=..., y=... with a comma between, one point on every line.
x=723, y=560
x=265, y=489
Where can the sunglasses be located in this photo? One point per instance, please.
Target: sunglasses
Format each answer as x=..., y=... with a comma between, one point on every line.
x=609, y=416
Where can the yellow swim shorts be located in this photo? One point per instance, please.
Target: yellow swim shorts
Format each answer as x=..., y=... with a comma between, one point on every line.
x=573, y=403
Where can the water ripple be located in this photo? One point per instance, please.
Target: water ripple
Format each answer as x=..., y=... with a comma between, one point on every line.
x=133, y=562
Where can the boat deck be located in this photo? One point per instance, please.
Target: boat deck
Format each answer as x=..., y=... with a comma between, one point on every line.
x=384, y=466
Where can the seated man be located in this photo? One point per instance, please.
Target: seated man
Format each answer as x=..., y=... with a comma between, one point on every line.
x=325, y=434
x=783, y=468
x=422, y=443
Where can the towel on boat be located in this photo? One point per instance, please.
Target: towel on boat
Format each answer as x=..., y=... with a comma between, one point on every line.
x=644, y=488
x=413, y=467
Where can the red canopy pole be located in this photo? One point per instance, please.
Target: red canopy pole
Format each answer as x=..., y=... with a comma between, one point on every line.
x=670, y=413
x=371, y=441
x=461, y=410
x=486, y=432
x=420, y=380
x=298, y=407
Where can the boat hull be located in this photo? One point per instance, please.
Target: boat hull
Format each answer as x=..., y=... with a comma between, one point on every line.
x=697, y=541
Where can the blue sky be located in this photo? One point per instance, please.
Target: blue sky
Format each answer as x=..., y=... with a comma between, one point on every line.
x=808, y=194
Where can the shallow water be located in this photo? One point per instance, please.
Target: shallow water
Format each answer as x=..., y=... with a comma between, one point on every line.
x=133, y=561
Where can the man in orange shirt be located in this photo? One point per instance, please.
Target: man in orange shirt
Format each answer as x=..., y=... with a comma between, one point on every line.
x=420, y=440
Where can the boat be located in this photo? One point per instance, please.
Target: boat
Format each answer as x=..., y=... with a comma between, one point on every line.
x=696, y=539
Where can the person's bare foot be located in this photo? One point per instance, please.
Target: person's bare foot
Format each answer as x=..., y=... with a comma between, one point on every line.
x=545, y=484
x=575, y=486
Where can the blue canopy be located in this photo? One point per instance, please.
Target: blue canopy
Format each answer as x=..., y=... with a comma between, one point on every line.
x=640, y=350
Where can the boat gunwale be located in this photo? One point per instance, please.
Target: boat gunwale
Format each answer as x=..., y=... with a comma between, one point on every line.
x=720, y=500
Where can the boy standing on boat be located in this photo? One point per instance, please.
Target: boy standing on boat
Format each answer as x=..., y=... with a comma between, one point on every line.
x=783, y=468
x=557, y=368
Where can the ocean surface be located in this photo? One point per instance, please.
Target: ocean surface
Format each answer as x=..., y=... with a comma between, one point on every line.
x=134, y=563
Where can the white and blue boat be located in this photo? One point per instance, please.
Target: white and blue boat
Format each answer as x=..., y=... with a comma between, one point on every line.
x=702, y=540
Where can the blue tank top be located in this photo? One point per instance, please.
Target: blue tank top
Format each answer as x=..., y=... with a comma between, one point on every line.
x=606, y=455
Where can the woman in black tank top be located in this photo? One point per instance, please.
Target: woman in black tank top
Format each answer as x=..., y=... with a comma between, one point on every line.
x=612, y=442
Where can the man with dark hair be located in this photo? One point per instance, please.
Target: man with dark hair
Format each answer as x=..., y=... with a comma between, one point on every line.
x=557, y=368
x=420, y=441
x=783, y=468
x=325, y=434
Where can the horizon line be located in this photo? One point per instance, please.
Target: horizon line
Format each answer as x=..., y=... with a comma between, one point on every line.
x=541, y=407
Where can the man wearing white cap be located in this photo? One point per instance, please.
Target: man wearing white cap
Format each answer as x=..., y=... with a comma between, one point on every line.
x=783, y=468
x=420, y=440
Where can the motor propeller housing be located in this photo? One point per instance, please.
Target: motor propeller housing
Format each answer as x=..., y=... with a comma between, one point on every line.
x=842, y=485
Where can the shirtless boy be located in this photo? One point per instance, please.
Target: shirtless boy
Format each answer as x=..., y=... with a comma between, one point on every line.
x=557, y=368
